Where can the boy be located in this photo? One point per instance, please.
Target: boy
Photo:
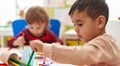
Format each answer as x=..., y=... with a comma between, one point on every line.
x=38, y=29
x=100, y=49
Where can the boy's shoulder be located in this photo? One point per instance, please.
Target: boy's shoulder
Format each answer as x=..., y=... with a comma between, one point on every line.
x=26, y=30
x=50, y=32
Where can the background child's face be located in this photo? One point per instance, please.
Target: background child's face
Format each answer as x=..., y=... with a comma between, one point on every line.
x=36, y=29
x=85, y=27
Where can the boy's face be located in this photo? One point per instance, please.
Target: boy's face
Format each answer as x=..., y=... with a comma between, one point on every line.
x=85, y=27
x=36, y=29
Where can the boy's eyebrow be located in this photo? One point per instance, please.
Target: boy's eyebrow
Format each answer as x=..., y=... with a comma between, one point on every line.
x=79, y=21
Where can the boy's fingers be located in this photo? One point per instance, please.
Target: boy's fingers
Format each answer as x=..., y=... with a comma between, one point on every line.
x=21, y=44
x=34, y=49
x=34, y=46
x=23, y=40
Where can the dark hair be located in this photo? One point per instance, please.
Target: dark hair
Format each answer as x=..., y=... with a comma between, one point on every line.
x=93, y=8
x=37, y=14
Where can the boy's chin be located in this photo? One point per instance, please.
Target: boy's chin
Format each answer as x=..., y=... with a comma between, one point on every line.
x=37, y=35
x=83, y=40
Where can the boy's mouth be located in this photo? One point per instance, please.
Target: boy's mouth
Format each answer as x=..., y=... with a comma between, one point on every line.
x=79, y=35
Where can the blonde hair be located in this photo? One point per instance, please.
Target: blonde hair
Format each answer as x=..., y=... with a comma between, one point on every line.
x=36, y=14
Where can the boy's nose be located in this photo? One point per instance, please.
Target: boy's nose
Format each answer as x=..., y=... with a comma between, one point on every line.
x=34, y=31
x=76, y=29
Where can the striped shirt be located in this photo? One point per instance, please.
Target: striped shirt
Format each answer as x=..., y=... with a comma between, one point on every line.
x=47, y=37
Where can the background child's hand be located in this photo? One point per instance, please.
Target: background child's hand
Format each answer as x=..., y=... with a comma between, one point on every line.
x=36, y=45
x=19, y=41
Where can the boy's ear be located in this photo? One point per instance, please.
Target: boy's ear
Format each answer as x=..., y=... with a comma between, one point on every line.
x=101, y=21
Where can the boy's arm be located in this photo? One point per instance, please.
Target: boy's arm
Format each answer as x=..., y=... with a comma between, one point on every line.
x=10, y=42
x=93, y=53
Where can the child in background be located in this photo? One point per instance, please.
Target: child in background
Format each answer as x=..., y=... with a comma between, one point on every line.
x=100, y=49
x=38, y=29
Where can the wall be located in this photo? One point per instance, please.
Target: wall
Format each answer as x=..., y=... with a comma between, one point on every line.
x=7, y=11
x=114, y=9
x=113, y=29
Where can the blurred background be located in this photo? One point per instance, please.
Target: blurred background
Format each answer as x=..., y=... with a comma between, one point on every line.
x=14, y=9
x=11, y=10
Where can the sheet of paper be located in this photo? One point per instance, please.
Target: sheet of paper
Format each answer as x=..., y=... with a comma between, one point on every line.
x=26, y=55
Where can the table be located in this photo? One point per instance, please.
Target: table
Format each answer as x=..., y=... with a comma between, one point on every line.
x=16, y=50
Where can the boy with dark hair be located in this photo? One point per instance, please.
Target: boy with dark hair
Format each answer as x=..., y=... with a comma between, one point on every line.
x=100, y=49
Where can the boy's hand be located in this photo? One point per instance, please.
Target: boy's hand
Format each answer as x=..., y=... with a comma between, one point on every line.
x=36, y=45
x=19, y=41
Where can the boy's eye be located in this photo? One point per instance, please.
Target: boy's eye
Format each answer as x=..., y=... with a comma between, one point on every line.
x=31, y=27
x=80, y=25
